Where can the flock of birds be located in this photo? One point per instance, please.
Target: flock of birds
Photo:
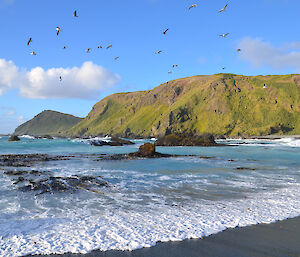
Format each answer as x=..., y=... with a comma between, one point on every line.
x=58, y=30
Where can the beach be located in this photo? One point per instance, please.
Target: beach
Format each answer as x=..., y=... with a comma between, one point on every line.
x=280, y=239
x=67, y=196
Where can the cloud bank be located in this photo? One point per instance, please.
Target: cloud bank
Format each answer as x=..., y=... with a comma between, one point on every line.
x=86, y=82
x=260, y=53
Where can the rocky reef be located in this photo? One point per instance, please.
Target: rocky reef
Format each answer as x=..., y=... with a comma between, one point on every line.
x=185, y=140
x=43, y=182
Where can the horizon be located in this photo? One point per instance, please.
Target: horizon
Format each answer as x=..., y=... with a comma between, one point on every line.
x=30, y=84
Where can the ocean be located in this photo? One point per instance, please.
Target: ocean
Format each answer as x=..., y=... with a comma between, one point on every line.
x=147, y=200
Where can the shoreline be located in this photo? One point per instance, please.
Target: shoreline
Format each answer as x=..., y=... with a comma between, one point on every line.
x=280, y=239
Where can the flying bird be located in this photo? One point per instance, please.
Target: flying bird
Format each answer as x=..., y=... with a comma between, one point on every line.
x=58, y=30
x=109, y=47
x=158, y=52
x=223, y=9
x=174, y=65
x=192, y=6
x=99, y=46
x=223, y=68
x=64, y=48
x=75, y=14
x=238, y=50
x=116, y=58
x=88, y=50
x=60, y=79
x=33, y=53
x=165, y=31
x=224, y=35
x=29, y=41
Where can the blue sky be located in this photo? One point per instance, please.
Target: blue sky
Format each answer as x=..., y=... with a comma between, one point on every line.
x=265, y=30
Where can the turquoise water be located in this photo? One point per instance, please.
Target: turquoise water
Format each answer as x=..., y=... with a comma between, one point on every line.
x=148, y=200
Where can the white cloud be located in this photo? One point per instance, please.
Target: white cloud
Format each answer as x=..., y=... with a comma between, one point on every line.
x=87, y=81
x=260, y=53
x=8, y=74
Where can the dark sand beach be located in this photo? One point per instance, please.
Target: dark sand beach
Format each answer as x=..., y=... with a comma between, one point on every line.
x=280, y=239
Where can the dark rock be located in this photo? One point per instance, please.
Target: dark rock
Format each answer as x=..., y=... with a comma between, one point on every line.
x=182, y=140
x=47, y=137
x=147, y=149
x=245, y=168
x=121, y=141
x=98, y=143
x=14, y=138
x=26, y=160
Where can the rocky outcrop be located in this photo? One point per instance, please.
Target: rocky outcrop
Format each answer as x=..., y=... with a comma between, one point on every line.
x=182, y=140
x=14, y=138
x=44, y=182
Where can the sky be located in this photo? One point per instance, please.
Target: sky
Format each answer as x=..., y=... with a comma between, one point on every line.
x=266, y=31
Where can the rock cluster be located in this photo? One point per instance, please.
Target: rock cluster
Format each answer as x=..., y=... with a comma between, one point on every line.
x=42, y=182
x=14, y=138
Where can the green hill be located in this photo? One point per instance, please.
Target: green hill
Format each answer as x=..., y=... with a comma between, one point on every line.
x=222, y=104
x=47, y=123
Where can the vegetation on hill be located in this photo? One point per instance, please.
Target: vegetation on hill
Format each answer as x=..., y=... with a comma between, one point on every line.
x=47, y=123
x=221, y=104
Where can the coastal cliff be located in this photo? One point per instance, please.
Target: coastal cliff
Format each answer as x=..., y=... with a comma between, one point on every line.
x=221, y=104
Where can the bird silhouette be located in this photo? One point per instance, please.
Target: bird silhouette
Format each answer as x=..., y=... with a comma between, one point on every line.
x=64, y=48
x=60, y=78
x=109, y=47
x=33, y=53
x=29, y=41
x=88, y=50
x=75, y=14
x=116, y=58
x=239, y=50
x=99, y=46
x=223, y=9
x=192, y=6
x=158, y=52
x=174, y=65
x=224, y=35
x=58, y=30
x=165, y=31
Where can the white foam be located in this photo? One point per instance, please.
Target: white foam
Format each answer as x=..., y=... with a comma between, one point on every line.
x=290, y=141
x=27, y=136
x=80, y=231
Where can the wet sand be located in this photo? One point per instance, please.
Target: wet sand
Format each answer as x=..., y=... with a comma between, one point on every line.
x=280, y=239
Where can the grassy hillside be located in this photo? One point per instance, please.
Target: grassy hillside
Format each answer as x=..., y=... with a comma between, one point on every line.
x=47, y=123
x=222, y=104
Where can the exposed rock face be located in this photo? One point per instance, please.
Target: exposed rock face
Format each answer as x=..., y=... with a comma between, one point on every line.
x=182, y=140
x=14, y=138
x=146, y=150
